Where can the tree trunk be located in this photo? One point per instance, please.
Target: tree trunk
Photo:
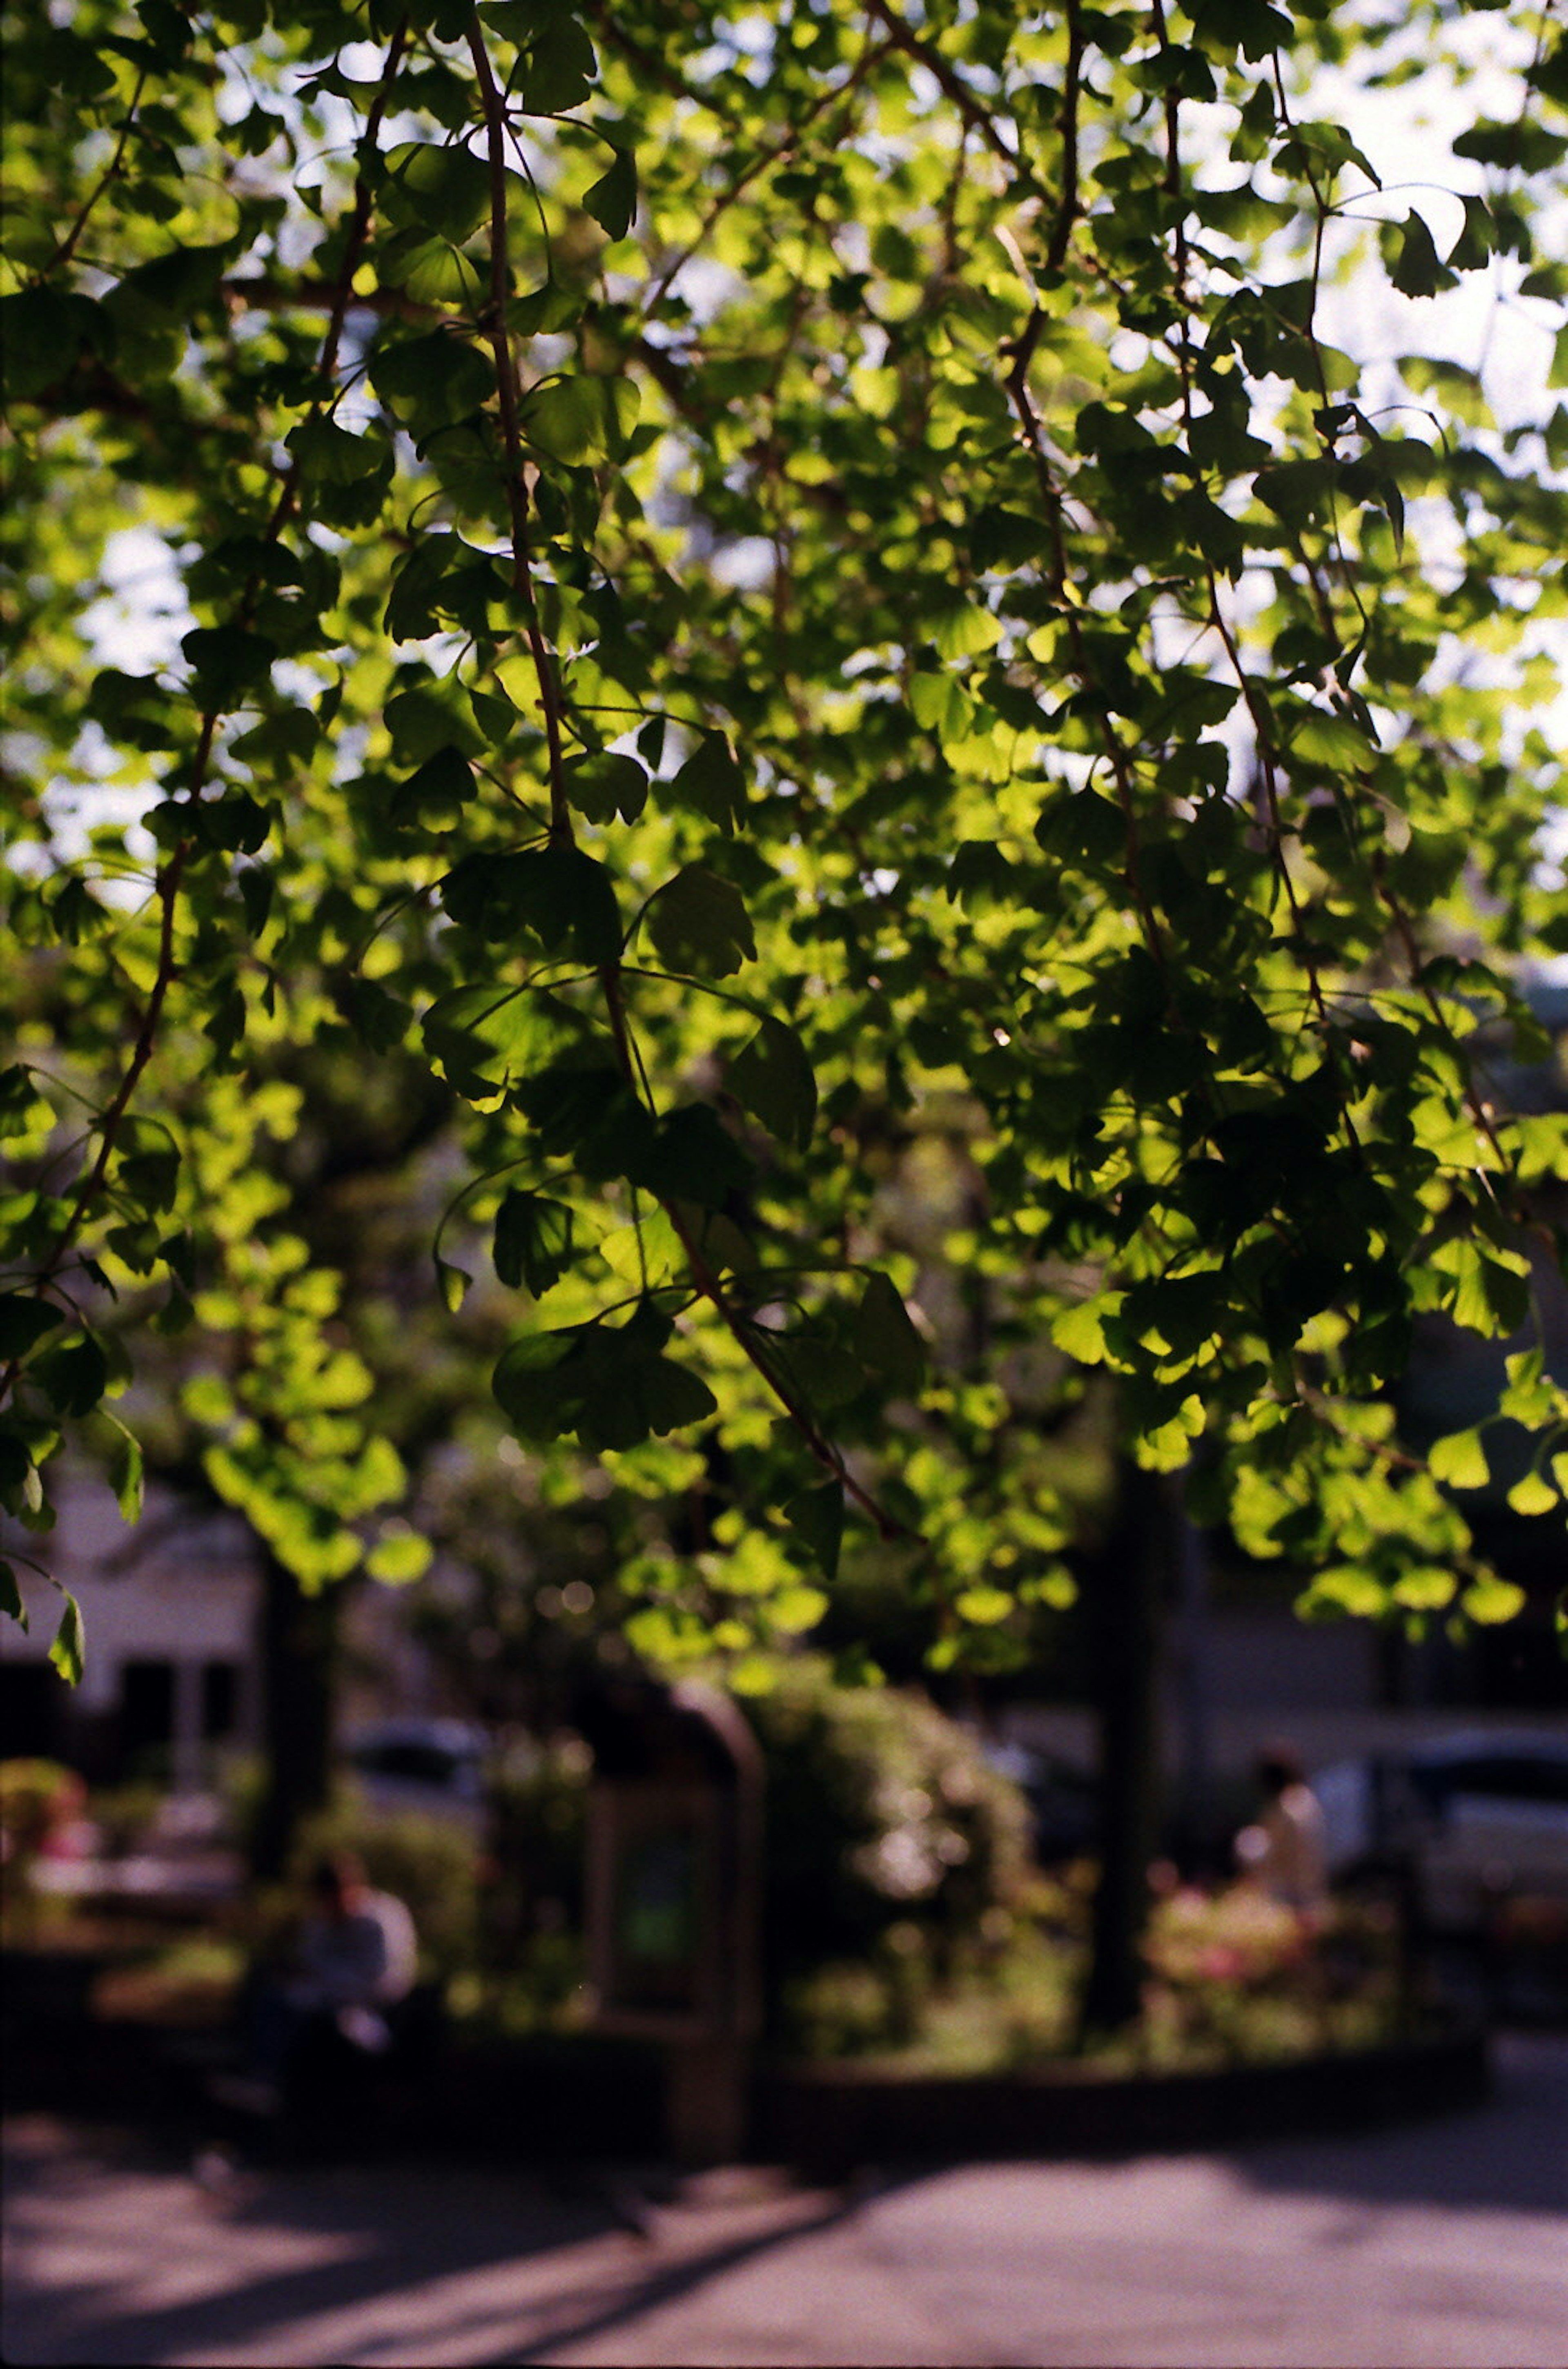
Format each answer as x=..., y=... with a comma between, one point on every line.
x=299, y=1643
x=1125, y=1605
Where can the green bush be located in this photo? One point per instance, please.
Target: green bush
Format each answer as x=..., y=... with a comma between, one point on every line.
x=890, y=1843
x=36, y=1796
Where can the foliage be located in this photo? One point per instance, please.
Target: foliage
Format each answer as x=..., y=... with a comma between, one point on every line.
x=37, y=1797
x=734, y=579
x=889, y=1841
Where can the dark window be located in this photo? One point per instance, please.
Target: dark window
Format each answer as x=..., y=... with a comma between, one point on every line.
x=219, y=1698
x=32, y=1705
x=146, y=1718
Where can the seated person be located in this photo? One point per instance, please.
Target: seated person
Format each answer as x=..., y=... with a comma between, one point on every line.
x=1285, y=1850
x=355, y=1957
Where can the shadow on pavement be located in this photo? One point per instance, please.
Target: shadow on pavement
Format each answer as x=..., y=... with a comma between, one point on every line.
x=122, y=2255
x=1510, y=2155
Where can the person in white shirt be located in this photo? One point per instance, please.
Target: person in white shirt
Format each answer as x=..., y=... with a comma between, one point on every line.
x=356, y=1953
x=355, y=1957
x=1285, y=1850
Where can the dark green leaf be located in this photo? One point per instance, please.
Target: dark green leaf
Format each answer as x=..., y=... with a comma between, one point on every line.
x=331, y=456
x=612, y=200
x=1414, y=265
x=698, y=923
x=886, y=1338
x=432, y=382
x=693, y=1157
x=24, y=1322
x=442, y=191
x=535, y=1240
x=44, y=333
x=227, y=662
x=772, y=1079
x=11, y=1603
x=605, y=786
x=72, y=1377
x=711, y=781
x=816, y=1517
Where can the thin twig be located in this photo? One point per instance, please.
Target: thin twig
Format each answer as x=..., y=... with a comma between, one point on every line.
x=561, y=831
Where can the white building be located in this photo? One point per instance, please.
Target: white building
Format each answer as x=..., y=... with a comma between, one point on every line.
x=170, y=1609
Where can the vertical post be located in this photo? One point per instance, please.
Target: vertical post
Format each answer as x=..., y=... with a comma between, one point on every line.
x=1194, y=1772
x=1124, y=1616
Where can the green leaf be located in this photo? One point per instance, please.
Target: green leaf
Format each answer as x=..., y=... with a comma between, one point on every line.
x=605, y=786
x=1079, y=1333
x=645, y=1254
x=11, y=1603
x=692, y=1157
x=443, y=191
x=816, y=1517
x=1477, y=242
x=773, y=1078
x=452, y=1282
x=982, y=1605
x=535, y=1240
x=1006, y=539
x=612, y=200
x=1082, y=827
x=24, y=1322
x=125, y=1473
x=1349, y=1589
x=1295, y=491
x=1533, y=1494
x=1426, y=1589
x=43, y=334
x=579, y=419
x=1490, y=1600
x=613, y=1388
x=558, y=64
x=227, y=662
x=1414, y=266
x=399, y=1556
x=331, y=456
x=428, y=717
x=698, y=923
x=1459, y=1461
x=74, y=1377
x=66, y=1651
x=711, y=783
x=435, y=794
x=432, y=382
x=885, y=1337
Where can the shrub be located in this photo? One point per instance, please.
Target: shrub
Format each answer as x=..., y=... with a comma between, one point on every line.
x=889, y=1841
x=37, y=1797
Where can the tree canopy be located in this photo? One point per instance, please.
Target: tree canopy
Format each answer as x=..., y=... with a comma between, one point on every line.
x=745, y=589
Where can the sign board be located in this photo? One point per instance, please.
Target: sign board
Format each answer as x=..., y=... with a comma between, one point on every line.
x=673, y=1851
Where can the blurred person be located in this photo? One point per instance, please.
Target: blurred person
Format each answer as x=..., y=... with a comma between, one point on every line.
x=1285, y=1850
x=354, y=1959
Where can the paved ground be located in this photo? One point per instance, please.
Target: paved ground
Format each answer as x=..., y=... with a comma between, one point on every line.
x=1436, y=2247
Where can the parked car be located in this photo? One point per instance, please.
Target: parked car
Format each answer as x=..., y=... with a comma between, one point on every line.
x=1472, y=1820
x=436, y=1764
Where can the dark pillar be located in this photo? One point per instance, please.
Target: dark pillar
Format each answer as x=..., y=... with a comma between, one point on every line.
x=1125, y=1592
x=299, y=1639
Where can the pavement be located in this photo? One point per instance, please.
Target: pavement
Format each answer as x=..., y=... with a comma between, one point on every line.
x=1437, y=2246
